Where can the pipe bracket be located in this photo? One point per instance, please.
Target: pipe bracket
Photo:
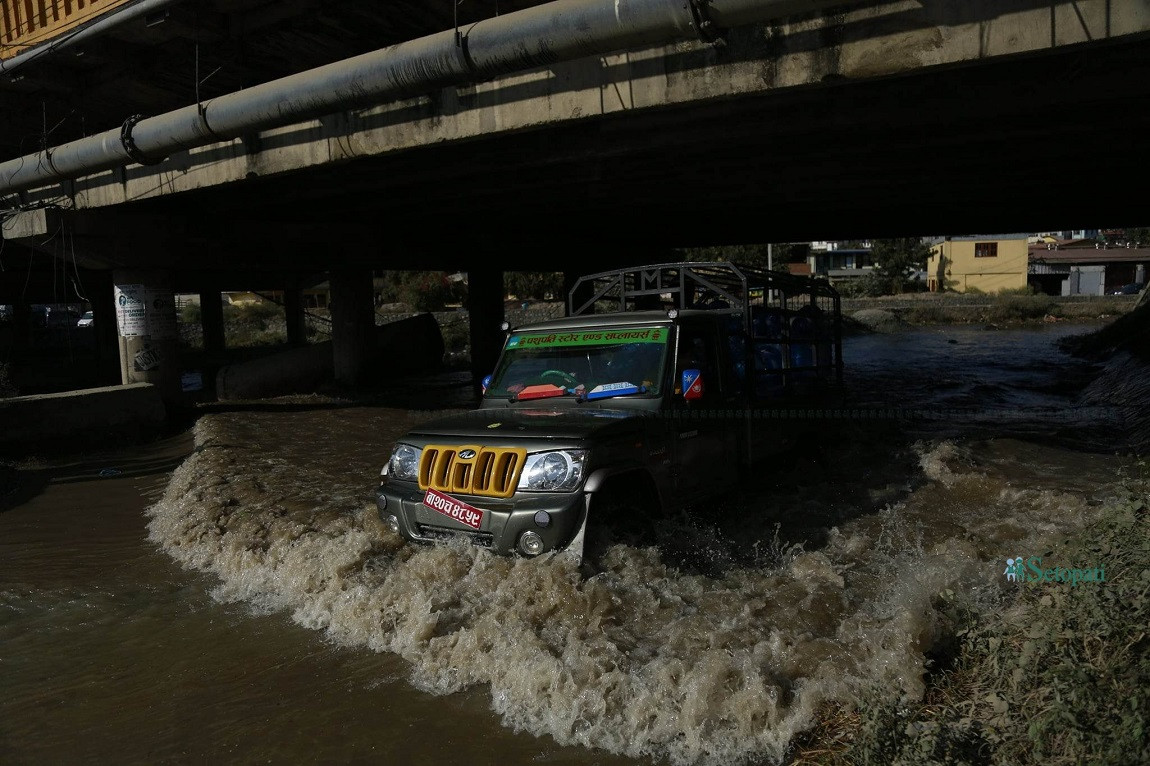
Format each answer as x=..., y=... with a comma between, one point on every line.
x=708, y=31
x=129, y=144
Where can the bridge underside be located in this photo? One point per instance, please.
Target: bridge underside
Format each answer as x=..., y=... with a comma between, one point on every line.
x=1033, y=143
x=1029, y=144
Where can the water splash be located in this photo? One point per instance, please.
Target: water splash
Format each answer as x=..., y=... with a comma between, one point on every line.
x=644, y=659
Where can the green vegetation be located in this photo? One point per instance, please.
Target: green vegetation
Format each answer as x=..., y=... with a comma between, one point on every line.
x=779, y=256
x=246, y=325
x=1014, y=308
x=534, y=285
x=1051, y=675
x=456, y=331
x=875, y=284
x=1009, y=308
x=896, y=260
x=423, y=290
x=1139, y=237
x=1025, y=290
x=930, y=313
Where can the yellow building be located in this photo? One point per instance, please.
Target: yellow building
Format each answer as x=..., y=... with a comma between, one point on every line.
x=986, y=263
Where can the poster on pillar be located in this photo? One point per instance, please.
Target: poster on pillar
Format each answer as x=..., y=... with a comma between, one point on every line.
x=145, y=311
x=147, y=359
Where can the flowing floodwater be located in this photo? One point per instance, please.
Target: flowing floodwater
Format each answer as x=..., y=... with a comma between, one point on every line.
x=230, y=593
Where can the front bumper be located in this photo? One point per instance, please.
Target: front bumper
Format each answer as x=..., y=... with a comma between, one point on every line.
x=504, y=520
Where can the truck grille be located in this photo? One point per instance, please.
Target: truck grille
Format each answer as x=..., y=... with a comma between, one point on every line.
x=490, y=471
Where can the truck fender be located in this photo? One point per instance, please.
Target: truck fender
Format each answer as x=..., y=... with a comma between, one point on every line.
x=601, y=477
x=598, y=478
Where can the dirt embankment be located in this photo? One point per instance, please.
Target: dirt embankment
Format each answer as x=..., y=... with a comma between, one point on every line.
x=999, y=310
x=1122, y=347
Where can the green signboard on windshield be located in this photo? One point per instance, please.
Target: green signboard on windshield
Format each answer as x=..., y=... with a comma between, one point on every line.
x=568, y=338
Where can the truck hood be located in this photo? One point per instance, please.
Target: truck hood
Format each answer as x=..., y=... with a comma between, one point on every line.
x=500, y=423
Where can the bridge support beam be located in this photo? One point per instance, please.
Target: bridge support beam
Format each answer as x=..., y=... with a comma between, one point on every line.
x=294, y=316
x=352, y=324
x=485, y=310
x=101, y=295
x=149, y=338
x=212, y=322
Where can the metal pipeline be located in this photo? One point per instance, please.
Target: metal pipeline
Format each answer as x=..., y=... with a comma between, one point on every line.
x=558, y=31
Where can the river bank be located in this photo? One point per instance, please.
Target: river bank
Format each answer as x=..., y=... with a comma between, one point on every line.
x=921, y=309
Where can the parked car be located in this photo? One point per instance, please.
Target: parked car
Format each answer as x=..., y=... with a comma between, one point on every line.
x=1131, y=289
x=620, y=418
x=87, y=320
x=53, y=316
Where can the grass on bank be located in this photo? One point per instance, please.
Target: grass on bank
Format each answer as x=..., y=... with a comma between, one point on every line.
x=1054, y=676
x=1009, y=308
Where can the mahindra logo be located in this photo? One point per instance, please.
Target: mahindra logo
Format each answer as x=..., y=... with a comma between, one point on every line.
x=467, y=454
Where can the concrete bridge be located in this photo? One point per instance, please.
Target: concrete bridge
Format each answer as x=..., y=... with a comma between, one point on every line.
x=257, y=145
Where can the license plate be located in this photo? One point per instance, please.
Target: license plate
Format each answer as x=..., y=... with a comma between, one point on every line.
x=453, y=509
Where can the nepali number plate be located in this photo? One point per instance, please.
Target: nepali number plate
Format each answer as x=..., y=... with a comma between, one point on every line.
x=453, y=509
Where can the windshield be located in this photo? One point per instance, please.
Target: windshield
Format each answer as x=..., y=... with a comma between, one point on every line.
x=589, y=364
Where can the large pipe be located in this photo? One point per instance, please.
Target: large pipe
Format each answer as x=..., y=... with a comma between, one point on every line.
x=545, y=34
x=104, y=23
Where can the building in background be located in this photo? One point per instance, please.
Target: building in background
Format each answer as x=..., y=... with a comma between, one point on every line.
x=840, y=263
x=987, y=263
x=1086, y=267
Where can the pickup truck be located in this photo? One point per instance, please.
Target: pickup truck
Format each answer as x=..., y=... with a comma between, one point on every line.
x=662, y=386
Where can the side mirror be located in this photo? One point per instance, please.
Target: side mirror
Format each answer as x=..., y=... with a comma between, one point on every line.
x=692, y=385
x=485, y=383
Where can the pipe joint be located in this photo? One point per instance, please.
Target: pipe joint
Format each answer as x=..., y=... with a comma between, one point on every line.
x=129, y=144
x=708, y=31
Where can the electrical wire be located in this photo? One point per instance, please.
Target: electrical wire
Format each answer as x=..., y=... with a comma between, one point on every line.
x=77, y=282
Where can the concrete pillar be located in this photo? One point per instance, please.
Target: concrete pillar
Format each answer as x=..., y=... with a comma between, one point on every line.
x=21, y=326
x=294, y=317
x=212, y=322
x=149, y=336
x=352, y=324
x=106, y=348
x=485, y=311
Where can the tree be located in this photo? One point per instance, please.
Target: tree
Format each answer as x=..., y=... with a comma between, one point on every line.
x=1139, y=237
x=423, y=290
x=896, y=260
x=537, y=285
x=750, y=255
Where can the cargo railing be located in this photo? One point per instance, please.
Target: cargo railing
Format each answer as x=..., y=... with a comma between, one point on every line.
x=791, y=324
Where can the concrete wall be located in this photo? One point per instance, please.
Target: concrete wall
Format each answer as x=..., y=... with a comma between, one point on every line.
x=76, y=420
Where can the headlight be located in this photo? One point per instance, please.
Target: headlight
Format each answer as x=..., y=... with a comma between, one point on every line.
x=404, y=463
x=557, y=471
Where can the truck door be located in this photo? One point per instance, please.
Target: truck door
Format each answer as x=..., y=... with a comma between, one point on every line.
x=705, y=438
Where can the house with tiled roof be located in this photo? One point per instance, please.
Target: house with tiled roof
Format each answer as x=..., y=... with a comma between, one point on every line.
x=1085, y=267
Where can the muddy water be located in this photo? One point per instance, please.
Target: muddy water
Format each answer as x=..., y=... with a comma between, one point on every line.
x=229, y=594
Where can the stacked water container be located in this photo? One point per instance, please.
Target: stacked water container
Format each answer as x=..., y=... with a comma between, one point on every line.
x=769, y=330
x=804, y=336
